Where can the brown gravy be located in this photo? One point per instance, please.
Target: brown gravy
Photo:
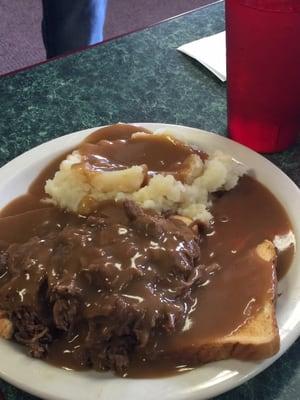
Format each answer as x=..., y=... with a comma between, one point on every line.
x=243, y=218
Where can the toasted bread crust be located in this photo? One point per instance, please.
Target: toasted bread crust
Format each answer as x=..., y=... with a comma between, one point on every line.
x=6, y=328
x=256, y=340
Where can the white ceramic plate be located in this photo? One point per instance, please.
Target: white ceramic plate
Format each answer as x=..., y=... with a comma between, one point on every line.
x=48, y=382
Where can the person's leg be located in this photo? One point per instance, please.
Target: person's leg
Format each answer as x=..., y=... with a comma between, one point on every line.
x=71, y=24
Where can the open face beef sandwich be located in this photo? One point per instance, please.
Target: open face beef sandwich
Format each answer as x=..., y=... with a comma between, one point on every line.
x=133, y=258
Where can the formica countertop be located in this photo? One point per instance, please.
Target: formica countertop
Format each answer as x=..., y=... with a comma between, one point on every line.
x=136, y=78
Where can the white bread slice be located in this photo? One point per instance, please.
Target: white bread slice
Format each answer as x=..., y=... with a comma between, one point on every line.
x=6, y=327
x=257, y=339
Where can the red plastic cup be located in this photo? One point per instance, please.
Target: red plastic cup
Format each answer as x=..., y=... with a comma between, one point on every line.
x=263, y=72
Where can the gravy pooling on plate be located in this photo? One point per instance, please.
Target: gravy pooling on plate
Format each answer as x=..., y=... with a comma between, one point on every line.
x=210, y=288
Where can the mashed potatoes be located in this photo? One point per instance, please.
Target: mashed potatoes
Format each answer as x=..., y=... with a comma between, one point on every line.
x=80, y=189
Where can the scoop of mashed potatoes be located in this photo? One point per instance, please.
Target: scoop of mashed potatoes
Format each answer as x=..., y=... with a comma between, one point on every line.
x=79, y=189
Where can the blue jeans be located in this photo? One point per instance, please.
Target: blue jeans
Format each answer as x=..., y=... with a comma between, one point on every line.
x=72, y=24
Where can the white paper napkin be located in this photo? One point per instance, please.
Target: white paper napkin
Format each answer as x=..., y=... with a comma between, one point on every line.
x=209, y=51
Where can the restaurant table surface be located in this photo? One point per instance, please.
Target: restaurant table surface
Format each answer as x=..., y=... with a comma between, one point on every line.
x=136, y=78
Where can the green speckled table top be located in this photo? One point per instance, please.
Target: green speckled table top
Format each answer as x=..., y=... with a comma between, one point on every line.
x=140, y=77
